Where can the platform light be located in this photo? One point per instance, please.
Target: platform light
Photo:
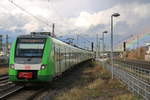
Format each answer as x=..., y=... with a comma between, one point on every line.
x=105, y=32
x=113, y=15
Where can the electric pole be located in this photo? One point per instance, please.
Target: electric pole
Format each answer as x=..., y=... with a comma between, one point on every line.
x=1, y=44
x=7, y=45
x=53, y=30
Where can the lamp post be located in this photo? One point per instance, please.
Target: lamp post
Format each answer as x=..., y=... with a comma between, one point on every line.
x=99, y=46
x=113, y=15
x=103, y=44
x=104, y=40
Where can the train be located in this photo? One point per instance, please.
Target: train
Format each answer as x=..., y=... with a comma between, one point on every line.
x=41, y=58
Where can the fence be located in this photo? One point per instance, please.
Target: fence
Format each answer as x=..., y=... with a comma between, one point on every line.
x=137, y=70
x=137, y=79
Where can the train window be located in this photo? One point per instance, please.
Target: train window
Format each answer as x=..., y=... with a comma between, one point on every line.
x=29, y=48
x=57, y=54
x=29, y=53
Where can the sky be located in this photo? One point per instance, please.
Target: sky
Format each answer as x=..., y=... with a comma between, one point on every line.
x=71, y=17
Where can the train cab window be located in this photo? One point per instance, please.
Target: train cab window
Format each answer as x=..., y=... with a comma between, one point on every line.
x=29, y=47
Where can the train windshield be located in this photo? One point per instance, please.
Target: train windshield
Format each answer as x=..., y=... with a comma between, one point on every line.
x=30, y=47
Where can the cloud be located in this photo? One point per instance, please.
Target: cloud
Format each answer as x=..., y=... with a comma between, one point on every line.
x=73, y=19
x=130, y=13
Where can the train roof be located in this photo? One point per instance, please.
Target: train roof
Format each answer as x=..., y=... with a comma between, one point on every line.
x=36, y=35
x=33, y=36
x=73, y=46
x=54, y=39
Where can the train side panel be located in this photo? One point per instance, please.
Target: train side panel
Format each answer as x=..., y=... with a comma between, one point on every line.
x=47, y=60
x=67, y=56
x=45, y=74
x=12, y=72
x=57, y=57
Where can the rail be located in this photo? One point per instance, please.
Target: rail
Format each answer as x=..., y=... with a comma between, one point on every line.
x=136, y=78
x=3, y=77
x=14, y=88
x=138, y=70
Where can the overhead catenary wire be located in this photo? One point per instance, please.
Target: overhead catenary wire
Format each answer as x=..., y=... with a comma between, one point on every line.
x=61, y=17
x=35, y=17
x=56, y=11
x=39, y=19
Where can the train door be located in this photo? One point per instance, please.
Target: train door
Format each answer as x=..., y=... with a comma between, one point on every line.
x=56, y=59
x=62, y=58
x=59, y=60
x=69, y=57
x=65, y=58
x=76, y=56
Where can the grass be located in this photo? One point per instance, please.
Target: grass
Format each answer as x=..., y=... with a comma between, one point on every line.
x=126, y=97
x=95, y=83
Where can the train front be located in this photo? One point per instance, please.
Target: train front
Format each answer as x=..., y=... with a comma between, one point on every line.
x=29, y=60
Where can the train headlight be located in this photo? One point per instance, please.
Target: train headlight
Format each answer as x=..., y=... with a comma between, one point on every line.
x=43, y=66
x=12, y=66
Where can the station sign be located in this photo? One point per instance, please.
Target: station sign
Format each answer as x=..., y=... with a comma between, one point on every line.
x=31, y=40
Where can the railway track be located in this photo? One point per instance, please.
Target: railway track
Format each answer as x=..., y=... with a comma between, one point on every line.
x=7, y=87
x=139, y=69
x=48, y=90
x=3, y=79
x=136, y=63
x=10, y=89
x=27, y=93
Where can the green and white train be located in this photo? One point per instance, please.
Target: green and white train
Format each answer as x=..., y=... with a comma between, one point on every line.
x=41, y=58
